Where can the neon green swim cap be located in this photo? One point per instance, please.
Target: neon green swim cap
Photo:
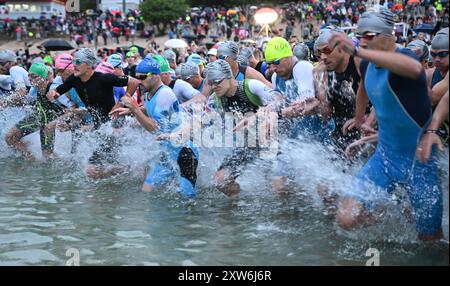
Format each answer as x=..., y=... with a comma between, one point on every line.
x=277, y=48
x=39, y=69
x=163, y=63
x=48, y=60
x=134, y=49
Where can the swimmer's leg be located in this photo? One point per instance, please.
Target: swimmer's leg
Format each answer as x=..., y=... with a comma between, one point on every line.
x=425, y=195
x=188, y=163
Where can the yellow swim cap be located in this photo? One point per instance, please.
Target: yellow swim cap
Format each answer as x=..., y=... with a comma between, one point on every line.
x=277, y=48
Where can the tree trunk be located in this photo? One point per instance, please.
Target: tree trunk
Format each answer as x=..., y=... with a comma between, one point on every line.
x=161, y=28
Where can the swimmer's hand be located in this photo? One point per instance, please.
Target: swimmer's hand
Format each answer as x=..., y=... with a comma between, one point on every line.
x=174, y=137
x=120, y=111
x=306, y=106
x=426, y=145
x=164, y=136
x=354, y=148
x=359, y=125
x=76, y=111
x=52, y=95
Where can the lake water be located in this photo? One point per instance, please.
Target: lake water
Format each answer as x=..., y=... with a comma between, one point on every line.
x=47, y=209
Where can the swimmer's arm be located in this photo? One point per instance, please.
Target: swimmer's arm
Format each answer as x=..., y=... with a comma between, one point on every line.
x=132, y=85
x=320, y=85
x=429, y=139
x=253, y=74
x=361, y=103
x=396, y=63
x=441, y=113
x=438, y=91
x=148, y=123
x=198, y=98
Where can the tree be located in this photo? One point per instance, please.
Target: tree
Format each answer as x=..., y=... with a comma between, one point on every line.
x=161, y=12
x=87, y=4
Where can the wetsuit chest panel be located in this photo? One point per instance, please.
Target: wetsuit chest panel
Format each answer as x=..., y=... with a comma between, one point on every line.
x=239, y=102
x=397, y=129
x=437, y=77
x=166, y=117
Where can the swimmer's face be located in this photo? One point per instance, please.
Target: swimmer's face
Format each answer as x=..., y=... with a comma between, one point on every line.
x=440, y=59
x=332, y=58
x=81, y=70
x=220, y=86
x=118, y=71
x=37, y=81
x=165, y=78
x=64, y=74
x=150, y=82
x=281, y=67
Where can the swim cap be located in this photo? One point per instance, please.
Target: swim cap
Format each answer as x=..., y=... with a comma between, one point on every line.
x=39, y=69
x=212, y=52
x=115, y=60
x=377, y=22
x=440, y=41
x=6, y=82
x=129, y=54
x=242, y=61
x=325, y=36
x=195, y=58
x=37, y=60
x=86, y=56
x=424, y=52
x=148, y=65
x=246, y=53
x=170, y=56
x=178, y=70
x=229, y=49
x=105, y=67
x=64, y=61
x=7, y=56
x=301, y=51
x=48, y=60
x=188, y=70
x=134, y=49
x=163, y=63
x=277, y=48
x=218, y=70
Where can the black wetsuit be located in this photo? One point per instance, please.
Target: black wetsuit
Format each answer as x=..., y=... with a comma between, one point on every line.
x=342, y=89
x=44, y=113
x=98, y=96
x=239, y=103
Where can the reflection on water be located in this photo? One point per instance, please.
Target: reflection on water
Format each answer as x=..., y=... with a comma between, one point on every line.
x=48, y=208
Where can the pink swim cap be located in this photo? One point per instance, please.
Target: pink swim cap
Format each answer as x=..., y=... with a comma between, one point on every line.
x=104, y=67
x=64, y=62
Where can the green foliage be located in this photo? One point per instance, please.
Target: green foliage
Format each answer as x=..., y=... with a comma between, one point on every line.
x=87, y=4
x=163, y=11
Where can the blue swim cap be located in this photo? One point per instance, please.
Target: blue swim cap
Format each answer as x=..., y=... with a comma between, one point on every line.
x=115, y=60
x=148, y=65
x=195, y=58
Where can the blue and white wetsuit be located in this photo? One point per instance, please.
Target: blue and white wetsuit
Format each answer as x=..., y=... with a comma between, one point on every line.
x=163, y=107
x=403, y=111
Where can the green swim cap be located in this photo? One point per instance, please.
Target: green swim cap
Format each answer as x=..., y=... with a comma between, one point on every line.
x=163, y=63
x=48, y=60
x=277, y=48
x=129, y=54
x=134, y=49
x=39, y=69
